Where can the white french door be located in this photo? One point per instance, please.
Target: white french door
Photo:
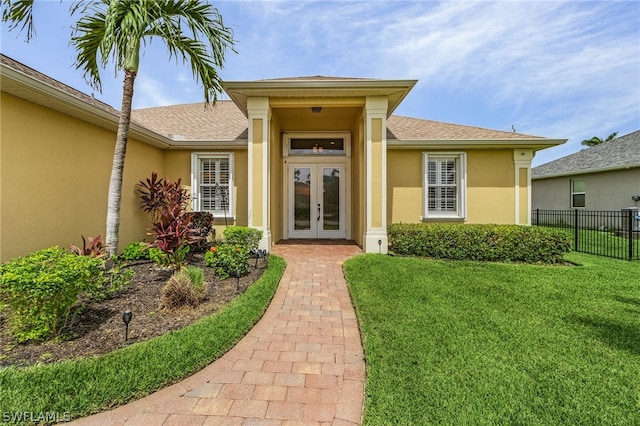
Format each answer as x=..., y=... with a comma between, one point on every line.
x=316, y=200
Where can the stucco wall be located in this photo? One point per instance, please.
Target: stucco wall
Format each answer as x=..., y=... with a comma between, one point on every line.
x=178, y=165
x=490, y=186
x=603, y=191
x=55, y=176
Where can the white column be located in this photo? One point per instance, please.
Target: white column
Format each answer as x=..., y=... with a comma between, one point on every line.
x=375, y=151
x=258, y=168
x=522, y=161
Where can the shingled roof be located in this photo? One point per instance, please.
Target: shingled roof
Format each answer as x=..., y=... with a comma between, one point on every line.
x=174, y=126
x=194, y=122
x=619, y=153
x=407, y=128
x=225, y=122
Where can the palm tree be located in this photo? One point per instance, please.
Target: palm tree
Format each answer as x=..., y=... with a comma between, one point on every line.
x=115, y=30
x=597, y=141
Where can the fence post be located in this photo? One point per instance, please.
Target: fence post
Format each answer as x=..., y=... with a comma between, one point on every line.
x=575, y=229
x=630, y=232
x=537, y=217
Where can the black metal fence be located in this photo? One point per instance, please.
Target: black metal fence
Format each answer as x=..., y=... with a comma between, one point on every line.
x=606, y=233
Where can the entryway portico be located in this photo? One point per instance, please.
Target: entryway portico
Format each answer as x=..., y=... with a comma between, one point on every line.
x=317, y=157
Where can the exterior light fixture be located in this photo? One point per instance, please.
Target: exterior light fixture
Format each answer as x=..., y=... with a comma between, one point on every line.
x=316, y=109
x=260, y=254
x=238, y=281
x=126, y=317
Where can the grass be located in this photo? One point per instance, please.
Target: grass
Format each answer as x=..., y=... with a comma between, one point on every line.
x=486, y=343
x=86, y=386
x=603, y=243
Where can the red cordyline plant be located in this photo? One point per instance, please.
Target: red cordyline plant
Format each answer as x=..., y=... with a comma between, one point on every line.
x=92, y=247
x=171, y=229
x=157, y=195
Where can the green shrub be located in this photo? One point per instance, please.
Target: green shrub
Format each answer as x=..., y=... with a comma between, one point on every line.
x=158, y=256
x=227, y=259
x=41, y=289
x=502, y=243
x=196, y=276
x=243, y=236
x=136, y=251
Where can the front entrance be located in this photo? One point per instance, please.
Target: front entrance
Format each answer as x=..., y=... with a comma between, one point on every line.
x=316, y=200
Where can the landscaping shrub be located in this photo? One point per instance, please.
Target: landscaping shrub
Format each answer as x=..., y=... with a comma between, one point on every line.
x=41, y=289
x=158, y=256
x=172, y=231
x=136, y=250
x=201, y=223
x=186, y=287
x=92, y=247
x=243, y=236
x=502, y=243
x=196, y=276
x=227, y=259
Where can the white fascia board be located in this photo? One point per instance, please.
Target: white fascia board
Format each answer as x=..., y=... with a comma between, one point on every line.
x=535, y=144
x=78, y=107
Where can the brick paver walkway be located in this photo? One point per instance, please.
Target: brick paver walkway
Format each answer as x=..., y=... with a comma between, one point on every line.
x=301, y=364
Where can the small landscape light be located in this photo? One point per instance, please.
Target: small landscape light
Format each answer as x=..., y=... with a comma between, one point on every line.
x=238, y=281
x=260, y=254
x=126, y=317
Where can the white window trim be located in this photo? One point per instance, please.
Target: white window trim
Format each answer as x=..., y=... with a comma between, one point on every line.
x=572, y=193
x=195, y=185
x=461, y=186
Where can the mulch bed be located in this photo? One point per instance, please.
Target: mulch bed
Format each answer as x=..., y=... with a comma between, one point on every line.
x=96, y=327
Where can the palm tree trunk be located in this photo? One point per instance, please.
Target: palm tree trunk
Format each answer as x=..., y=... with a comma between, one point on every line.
x=117, y=169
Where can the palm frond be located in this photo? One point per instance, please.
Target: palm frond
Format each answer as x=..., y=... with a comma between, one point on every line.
x=18, y=12
x=115, y=29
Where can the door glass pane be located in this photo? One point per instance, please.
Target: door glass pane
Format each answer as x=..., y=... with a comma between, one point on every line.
x=302, y=198
x=331, y=198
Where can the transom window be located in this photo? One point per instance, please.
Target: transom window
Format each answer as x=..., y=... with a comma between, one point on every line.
x=319, y=146
x=444, y=185
x=578, y=193
x=212, y=189
x=312, y=144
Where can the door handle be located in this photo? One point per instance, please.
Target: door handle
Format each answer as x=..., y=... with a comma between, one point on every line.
x=318, y=213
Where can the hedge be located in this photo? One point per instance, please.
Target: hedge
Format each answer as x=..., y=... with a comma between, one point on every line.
x=498, y=243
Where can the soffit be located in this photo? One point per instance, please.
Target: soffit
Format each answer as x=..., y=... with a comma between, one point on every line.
x=23, y=82
x=314, y=88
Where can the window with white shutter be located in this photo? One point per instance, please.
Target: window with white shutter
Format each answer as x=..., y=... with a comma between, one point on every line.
x=212, y=189
x=444, y=185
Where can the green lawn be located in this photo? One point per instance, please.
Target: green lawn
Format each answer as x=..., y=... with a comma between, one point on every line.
x=487, y=343
x=84, y=386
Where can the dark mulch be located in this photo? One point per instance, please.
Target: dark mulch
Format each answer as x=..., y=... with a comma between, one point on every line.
x=96, y=327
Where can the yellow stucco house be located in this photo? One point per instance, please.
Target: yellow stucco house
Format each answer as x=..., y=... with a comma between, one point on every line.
x=312, y=157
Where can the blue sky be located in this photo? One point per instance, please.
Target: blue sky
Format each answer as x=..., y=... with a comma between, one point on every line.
x=560, y=69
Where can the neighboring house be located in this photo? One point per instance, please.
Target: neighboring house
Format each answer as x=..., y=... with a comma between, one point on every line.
x=312, y=157
x=602, y=177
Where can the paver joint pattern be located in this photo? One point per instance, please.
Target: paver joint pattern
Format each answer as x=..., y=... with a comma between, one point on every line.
x=302, y=363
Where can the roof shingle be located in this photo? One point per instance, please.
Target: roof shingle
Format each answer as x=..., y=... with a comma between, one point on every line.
x=221, y=122
x=617, y=153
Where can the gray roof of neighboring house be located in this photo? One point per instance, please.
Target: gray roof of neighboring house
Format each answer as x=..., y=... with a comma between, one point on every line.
x=620, y=153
